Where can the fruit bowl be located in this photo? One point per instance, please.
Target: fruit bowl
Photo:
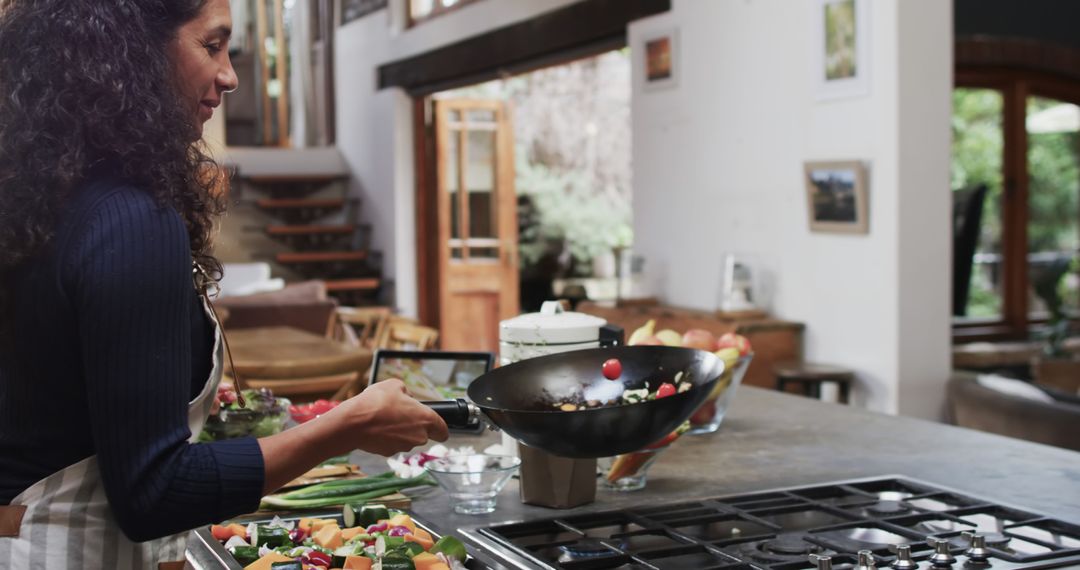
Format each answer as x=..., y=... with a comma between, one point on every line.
x=627, y=472
x=707, y=418
x=264, y=415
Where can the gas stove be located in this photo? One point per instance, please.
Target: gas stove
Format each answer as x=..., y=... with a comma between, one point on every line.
x=892, y=523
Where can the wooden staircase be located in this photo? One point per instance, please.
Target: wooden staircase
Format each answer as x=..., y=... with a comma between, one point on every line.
x=315, y=220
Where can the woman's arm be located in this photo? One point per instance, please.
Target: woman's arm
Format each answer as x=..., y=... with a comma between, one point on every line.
x=383, y=419
x=130, y=282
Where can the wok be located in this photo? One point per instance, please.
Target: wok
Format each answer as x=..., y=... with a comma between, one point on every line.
x=522, y=399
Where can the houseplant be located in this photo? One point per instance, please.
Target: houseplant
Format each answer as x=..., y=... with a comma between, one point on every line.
x=1055, y=367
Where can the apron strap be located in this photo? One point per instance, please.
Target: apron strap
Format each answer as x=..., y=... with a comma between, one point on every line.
x=10, y=520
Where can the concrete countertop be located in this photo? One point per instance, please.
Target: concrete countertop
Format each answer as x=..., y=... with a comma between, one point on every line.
x=770, y=440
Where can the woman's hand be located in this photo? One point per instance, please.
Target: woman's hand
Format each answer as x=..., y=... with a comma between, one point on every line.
x=384, y=419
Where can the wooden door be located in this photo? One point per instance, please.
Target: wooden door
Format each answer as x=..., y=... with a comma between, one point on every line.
x=477, y=223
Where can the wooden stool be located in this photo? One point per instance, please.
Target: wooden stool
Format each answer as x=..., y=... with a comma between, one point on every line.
x=810, y=376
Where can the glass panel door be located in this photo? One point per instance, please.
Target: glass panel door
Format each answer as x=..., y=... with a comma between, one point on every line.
x=977, y=159
x=1053, y=131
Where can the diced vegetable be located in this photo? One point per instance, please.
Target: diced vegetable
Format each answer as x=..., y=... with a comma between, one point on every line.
x=425, y=561
x=265, y=562
x=318, y=558
x=424, y=542
x=245, y=554
x=328, y=537
x=290, y=565
x=238, y=530
x=358, y=563
x=451, y=547
x=399, y=531
x=221, y=533
x=364, y=515
x=402, y=519
x=397, y=562
x=411, y=549
x=348, y=534
x=271, y=536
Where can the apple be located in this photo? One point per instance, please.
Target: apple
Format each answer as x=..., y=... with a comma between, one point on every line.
x=732, y=340
x=641, y=333
x=729, y=355
x=700, y=339
x=669, y=337
x=649, y=341
x=704, y=414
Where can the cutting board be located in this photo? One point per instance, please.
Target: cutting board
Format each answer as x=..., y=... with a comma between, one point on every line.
x=336, y=473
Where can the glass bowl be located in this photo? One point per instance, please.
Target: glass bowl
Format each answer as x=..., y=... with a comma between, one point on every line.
x=264, y=415
x=707, y=418
x=629, y=471
x=473, y=481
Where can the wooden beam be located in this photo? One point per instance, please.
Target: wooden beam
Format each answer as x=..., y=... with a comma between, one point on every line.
x=580, y=29
x=261, y=26
x=281, y=67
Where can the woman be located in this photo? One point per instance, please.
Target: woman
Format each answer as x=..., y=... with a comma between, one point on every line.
x=106, y=210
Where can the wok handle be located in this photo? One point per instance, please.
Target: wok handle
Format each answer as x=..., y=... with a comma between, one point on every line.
x=458, y=414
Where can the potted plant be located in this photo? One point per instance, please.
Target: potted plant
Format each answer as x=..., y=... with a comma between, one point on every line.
x=1055, y=367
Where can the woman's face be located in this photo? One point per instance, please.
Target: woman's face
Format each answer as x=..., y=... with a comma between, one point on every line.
x=200, y=55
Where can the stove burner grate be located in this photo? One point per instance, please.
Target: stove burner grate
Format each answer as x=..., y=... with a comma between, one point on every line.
x=779, y=530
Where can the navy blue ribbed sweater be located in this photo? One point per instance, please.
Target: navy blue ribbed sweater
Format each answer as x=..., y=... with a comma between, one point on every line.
x=111, y=344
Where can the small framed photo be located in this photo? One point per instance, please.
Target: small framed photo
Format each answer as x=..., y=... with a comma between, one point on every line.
x=842, y=48
x=836, y=197
x=659, y=60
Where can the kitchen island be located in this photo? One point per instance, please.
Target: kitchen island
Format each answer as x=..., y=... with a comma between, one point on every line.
x=773, y=440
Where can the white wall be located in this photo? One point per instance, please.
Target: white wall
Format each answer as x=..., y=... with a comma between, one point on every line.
x=374, y=128
x=718, y=168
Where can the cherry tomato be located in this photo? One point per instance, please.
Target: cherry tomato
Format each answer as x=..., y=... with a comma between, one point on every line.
x=612, y=369
x=666, y=389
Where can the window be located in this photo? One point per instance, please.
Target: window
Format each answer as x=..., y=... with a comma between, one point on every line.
x=420, y=10
x=1018, y=134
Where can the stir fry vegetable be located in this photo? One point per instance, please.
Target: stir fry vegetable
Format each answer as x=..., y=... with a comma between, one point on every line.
x=679, y=384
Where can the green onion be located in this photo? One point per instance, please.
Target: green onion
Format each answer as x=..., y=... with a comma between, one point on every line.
x=360, y=491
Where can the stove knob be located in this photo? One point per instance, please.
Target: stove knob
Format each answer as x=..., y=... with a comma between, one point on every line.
x=903, y=559
x=866, y=561
x=823, y=562
x=977, y=553
x=941, y=557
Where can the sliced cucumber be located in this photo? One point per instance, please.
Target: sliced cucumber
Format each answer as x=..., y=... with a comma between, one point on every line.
x=245, y=554
x=397, y=562
x=341, y=554
x=290, y=565
x=359, y=514
x=271, y=536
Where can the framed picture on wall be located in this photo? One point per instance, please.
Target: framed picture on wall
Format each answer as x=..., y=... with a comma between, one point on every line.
x=836, y=196
x=841, y=49
x=659, y=59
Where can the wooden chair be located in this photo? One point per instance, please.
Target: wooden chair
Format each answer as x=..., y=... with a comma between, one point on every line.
x=407, y=334
x=367, y=323
x=397, y=333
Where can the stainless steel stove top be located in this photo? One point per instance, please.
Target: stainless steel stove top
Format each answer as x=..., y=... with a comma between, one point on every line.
x=892, y=523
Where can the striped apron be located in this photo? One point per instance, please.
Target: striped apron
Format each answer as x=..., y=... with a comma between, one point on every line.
x=67, y=521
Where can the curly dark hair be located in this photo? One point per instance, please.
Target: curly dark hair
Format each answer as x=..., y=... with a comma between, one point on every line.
x=87, y=86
